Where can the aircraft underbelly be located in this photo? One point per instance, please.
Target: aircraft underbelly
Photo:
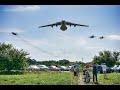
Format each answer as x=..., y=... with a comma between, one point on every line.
x=63, y=27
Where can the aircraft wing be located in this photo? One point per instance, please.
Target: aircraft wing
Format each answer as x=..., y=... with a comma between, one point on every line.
x=54, y=24
x=74, y=24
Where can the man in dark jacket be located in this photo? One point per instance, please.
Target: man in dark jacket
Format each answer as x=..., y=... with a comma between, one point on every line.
x=95, y=72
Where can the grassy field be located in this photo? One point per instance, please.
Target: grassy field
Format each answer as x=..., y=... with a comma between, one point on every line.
x=112, y=79
x=54, y=78
x=39, y=78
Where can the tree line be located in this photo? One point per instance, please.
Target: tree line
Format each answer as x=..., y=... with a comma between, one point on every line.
x=108, y=57
x=63, y=62
x=14, y=59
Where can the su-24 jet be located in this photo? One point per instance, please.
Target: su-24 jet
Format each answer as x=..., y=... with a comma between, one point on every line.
x=63, y=24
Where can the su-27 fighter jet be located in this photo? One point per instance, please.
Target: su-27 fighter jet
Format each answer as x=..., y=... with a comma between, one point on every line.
x=95, y=36
x=63, y=24
x=92, y=36
x=101, y=37
x=14, y=33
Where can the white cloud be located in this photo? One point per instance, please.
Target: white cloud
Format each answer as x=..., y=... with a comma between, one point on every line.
x=71, y=40
x=39, y=42
x=63, y=36
x=94, y=47
x=114, y=37
x=80, y=42
x=30, y=47
x=21, y=8
x=11, y=30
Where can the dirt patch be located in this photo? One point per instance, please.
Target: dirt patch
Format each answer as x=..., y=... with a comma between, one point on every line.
x=81, y=81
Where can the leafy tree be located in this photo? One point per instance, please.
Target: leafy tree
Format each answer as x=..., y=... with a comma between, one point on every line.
x=117, y=63
x=31, y=61
x=12, y=58
x=116, y=56
x=107, y=57
x=64, y=62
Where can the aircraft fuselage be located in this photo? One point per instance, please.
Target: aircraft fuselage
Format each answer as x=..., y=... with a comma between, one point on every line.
x=63, y=26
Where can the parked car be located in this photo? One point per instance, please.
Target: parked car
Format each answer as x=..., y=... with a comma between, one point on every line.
x=116, y=68
x=33, y=67
x=71, y=67
x=64, y=68
x=109, y=70
x=43, y=67
x=54, y=68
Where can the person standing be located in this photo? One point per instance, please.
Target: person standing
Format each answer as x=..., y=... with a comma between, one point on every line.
x=104, y=67
x=95, y=72
x=77, y=66
x=75, y=71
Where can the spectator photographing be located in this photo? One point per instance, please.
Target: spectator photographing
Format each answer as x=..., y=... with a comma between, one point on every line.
x=104, y=67
x=76, y=69
x=95, y=72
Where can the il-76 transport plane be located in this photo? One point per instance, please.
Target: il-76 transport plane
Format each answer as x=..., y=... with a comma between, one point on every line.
x=63, y=24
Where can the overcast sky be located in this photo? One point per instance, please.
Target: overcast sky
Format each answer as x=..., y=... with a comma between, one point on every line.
x=53, y=44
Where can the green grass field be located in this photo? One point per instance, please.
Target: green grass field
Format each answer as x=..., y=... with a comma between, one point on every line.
x=111, y=79
x=54, y=78
x=39, y=78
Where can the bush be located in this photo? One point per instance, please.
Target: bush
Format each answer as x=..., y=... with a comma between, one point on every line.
x=12, y=72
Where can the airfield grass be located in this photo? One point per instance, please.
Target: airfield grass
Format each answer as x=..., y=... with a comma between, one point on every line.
x=54, y=78
x=111, y=79
x=40, y=78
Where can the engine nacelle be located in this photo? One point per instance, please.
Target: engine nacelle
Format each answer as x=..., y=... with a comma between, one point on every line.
x=52, y=26
x=74, y=25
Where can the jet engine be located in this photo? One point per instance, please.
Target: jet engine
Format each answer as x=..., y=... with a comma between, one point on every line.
x=74, y=25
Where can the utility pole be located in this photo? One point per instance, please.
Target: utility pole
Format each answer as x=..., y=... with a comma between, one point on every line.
x=82, y=63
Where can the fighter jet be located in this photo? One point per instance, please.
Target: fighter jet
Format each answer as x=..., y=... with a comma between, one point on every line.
x=101, y=37
x=14, y=33
x=92, y=36
x=63, y=24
